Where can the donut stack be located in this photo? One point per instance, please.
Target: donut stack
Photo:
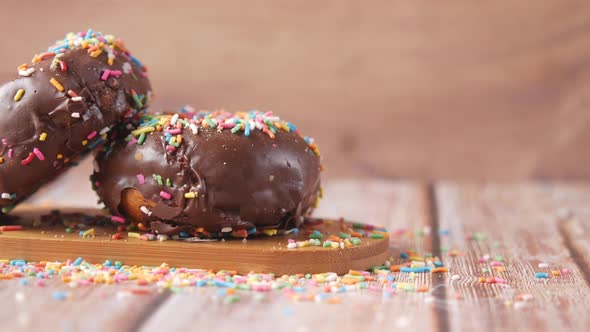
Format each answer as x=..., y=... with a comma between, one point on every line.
x=187, y=174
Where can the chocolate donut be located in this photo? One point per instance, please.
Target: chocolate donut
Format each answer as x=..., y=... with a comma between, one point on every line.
x=63, y=105
x=210, y=173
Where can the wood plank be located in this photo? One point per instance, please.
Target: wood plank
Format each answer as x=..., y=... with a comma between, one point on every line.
x=402, y=207
x=93, y=308
x=262, y=254
x=518, y=223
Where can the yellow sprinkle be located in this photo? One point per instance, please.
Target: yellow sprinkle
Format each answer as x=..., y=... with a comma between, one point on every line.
x=138, y=156
x=19, y=94
x=1, y=160
x=84, y=142
x=172, y=140
x=43, y=137
x=140, y=131
x=178, y=139
x=56, y=84
x=190, y=195
x=110, y=61
x=59, y=156
x=270, y=232
x=96, y=53
x=133, y=235
x=89, y=232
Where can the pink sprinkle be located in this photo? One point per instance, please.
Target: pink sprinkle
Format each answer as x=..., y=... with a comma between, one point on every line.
x=118, y=219
x=175, y=131
x=105, y=75
x=39, y=154
x=165, y=195
x=496, y=263
x=4, y=141
x=91, y=135
x=170, y=148
x=565, y=271
x=141, y=178
x=500, y=280
x=115, y=73
x=132, y=141
x=10, y=153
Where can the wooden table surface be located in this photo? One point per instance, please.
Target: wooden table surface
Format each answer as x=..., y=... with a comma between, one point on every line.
x=524, y=223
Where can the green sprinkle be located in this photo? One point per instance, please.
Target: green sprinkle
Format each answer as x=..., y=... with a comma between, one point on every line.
x=355, y=240
x=210, y=122
x=376, y=236
x=141, y=139
x=7, y=209
x=236, y=128
x=68, y=230
x=343, y=235
x=136, y=99
x=158, y=179
x=316, y=235
x=231, y=299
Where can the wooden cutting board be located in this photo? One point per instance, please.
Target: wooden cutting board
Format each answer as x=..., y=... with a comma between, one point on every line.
x=47, y=242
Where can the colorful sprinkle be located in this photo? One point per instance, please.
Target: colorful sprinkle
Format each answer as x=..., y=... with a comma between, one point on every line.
x=19, y=94
x=56, y=84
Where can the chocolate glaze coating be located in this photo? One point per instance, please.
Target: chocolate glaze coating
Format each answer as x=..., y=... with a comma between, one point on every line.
x=44, y=109
x=240, y=181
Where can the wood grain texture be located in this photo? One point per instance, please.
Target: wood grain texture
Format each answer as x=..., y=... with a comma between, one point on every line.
x=397, y=206
x=500, y=84
x=264, y=254
x=523, y=219
x=95, y=308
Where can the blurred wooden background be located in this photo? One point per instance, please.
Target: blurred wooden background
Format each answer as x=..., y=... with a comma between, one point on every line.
x=423, y=89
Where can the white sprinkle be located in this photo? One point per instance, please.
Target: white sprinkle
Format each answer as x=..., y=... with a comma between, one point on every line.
x=194, y=128
x=486, y=257
x=543, y=265
x=6, y=196
x=76, y=115
x=145, y=210
x=162, y=237
x=174, y=119
x=26, y=72
x=292, y=245
x=226, y=229
x=455, y=277
x=104, y=130
x=77, y=98
x=519, y=305
x=126, y=68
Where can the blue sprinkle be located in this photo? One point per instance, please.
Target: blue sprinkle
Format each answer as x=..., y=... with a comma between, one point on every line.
x=421, y=269
x=252, y=231
x=134, y=59
x=23, y=281
x=298, y=289
x=184, y=235
x=444, y=232
x=108, y=263
x=201, y=283
x=59, y=296
x=438, y=263
x=18, y=262
x=542, y=275
x=78, y=261
x=403, y=255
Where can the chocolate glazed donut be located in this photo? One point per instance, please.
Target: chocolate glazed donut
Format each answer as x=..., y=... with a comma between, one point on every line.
x=244, y=173
x=62, y=106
